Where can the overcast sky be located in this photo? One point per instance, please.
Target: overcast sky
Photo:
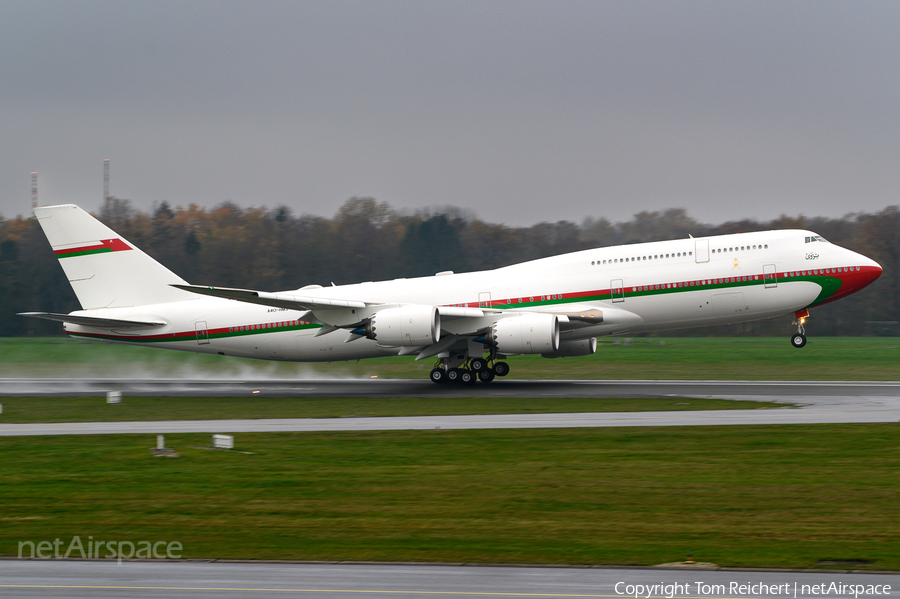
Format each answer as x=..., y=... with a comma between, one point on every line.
x=519, y=111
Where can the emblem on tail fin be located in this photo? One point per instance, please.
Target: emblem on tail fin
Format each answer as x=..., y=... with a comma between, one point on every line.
x=101, y=247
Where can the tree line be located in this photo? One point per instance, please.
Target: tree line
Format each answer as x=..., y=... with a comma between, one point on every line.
x=368, y=240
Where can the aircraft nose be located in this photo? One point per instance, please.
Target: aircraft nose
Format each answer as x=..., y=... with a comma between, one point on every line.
x=857, y=277
x=869, y=272
x=874, y=271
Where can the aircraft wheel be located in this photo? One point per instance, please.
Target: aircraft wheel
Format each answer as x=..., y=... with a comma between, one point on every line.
x=466, y=377
x=486, y=375
x=438, y=376
x=798, y=340
x=453, y=375
x=501, y=368
x=478, y=364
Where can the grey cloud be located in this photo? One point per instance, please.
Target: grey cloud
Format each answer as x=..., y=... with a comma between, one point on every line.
x=521, y=111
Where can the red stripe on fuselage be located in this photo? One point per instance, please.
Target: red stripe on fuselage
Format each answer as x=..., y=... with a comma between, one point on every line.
x=852, y=280
x=232, y=331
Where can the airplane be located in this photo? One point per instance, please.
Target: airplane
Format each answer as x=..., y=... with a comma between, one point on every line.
x=469, y=322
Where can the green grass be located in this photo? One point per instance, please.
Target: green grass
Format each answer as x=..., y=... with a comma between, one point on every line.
x=18, y=410
x=759, y=496
x=751, y=358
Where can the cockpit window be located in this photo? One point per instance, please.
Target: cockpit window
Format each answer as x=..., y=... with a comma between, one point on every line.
x=815, y=238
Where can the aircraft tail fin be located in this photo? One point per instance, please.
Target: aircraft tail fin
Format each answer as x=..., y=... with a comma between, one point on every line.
x=105, y=270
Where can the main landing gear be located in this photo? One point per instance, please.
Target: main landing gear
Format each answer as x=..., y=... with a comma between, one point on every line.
x=798, y=340
x=465, y=371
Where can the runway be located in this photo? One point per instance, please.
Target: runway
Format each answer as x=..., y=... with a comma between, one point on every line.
x=424, y=388
x=832, y=402
x=76, y=579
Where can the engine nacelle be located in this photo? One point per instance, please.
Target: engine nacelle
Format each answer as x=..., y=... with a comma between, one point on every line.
x=526, y=334
x=568, y=349
x=409, y=326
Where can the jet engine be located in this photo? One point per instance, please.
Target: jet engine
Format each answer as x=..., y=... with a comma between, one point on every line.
x=408, y=326
x=526, y=334
x=568, y=349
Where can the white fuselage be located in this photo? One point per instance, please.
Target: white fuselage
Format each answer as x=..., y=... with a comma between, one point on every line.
x=640, y=287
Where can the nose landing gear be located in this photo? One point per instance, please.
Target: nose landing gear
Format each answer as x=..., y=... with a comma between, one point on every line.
x=798, y=340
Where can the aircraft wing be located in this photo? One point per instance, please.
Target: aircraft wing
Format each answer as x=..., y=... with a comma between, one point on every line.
x=275, y=300
x=93, y=321
x=297, y=302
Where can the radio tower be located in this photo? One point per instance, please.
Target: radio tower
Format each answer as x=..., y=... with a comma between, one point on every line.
x=34, y=199
x=105, y=180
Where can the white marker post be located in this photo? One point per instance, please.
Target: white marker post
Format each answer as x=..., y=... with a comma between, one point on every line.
x=113, y=397
x=223, y=441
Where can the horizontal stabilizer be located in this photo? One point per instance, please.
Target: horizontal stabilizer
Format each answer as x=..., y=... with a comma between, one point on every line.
x=276, y=300
x=93, y=321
